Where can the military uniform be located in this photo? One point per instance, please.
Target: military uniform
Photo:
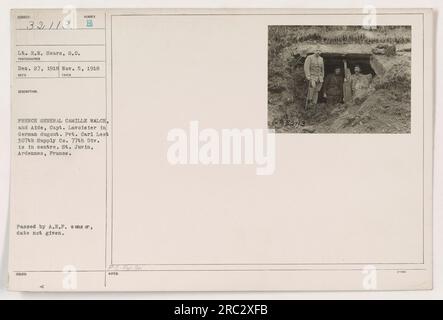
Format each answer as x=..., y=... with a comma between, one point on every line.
x=360, y=85
x=347, y=90
x=315, y=72
x=334, y=88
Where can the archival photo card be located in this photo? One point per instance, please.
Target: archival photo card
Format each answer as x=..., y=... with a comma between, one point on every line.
x=221, y=150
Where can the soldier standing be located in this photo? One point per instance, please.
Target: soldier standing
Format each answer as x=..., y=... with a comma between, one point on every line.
x=360, y=84
x=347, y=90
x=334, y=87
x=314, y=72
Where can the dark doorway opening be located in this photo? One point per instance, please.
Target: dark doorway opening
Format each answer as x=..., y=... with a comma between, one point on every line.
x=334, y=60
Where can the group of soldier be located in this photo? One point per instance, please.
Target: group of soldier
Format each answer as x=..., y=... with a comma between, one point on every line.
x=339, y=86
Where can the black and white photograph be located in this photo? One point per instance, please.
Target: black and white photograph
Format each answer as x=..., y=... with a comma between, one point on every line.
x=339, y=79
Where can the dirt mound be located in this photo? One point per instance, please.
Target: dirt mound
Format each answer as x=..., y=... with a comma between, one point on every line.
x=381, y=112
x=396, y=75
